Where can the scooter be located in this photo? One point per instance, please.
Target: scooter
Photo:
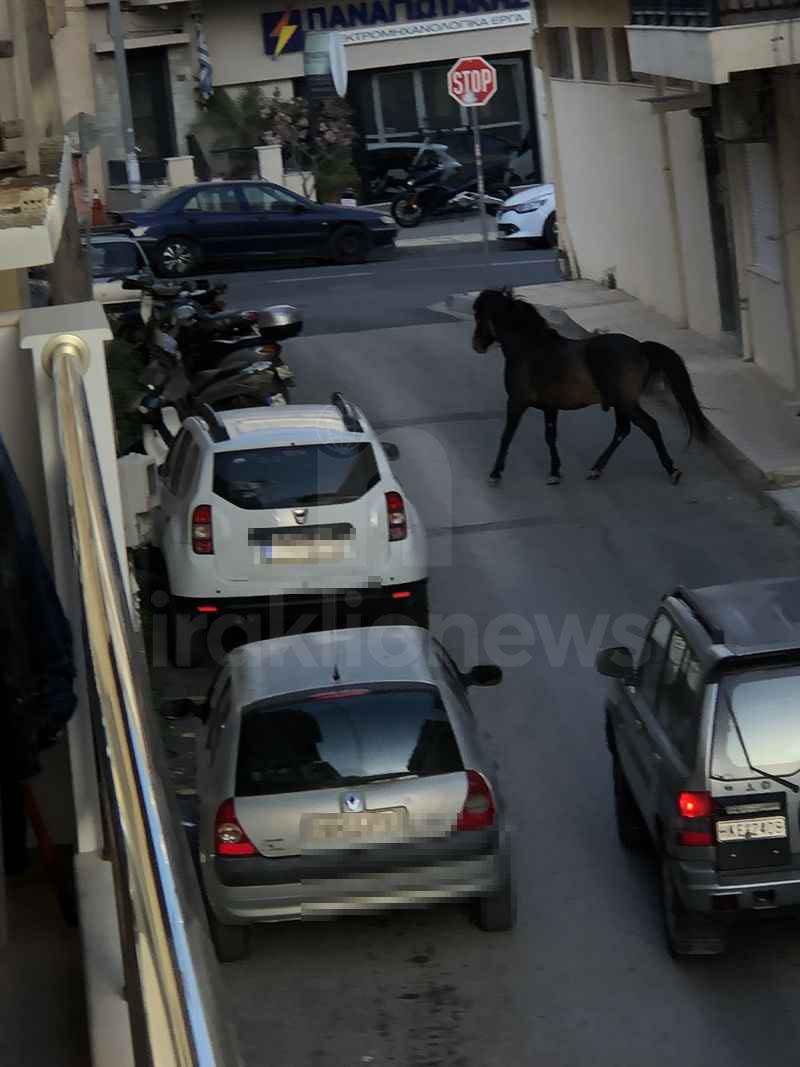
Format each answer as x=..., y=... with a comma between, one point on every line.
x=431, y=193
x=238, y=381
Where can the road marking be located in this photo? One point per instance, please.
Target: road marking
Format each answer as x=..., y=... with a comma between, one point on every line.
x=442, y=239
x=320, y=277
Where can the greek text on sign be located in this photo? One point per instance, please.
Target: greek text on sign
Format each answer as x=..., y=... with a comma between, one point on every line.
x=472, y=82
x=284, y=30
x=434, y=27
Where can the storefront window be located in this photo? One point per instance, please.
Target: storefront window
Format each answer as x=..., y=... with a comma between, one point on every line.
x=442, y=112
x=398, y=102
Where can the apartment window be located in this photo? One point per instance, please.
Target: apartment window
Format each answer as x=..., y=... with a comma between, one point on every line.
x=559, y=49
x=593, y=55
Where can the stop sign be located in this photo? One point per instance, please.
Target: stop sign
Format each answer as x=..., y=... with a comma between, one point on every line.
x=472, y=81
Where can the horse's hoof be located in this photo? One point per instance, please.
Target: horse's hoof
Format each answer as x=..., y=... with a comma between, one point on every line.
x=495, y=479
x=554, y=479
x=675, y=476
x=593, y=474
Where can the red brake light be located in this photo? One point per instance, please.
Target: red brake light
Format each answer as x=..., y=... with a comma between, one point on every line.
x=202, y=530
x=207, y=609
x=401, y=594
x=229, y=837
x=396, y=513
x=338, y=694
x=695, y=805
x=478, y=810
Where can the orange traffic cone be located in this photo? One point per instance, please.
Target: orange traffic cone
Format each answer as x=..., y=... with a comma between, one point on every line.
x=98, y=211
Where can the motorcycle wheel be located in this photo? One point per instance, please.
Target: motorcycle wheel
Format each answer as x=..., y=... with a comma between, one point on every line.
x=406, y=212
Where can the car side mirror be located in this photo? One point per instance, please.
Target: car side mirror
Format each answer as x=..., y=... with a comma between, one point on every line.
x=484, y=674
x=616, y=663
x=299, y=208
x=391, y=450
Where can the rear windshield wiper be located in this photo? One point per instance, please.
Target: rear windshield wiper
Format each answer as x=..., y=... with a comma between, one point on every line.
x=757, y=770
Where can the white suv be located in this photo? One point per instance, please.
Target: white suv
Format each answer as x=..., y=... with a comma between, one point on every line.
x=264, y=512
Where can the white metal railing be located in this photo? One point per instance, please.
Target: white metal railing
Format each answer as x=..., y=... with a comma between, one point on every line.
x=170, y=972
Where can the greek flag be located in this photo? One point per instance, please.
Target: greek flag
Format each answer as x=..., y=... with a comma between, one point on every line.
x=205, y=87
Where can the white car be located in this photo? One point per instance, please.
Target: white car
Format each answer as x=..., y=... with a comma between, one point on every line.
x=262, y=512
x=529, y=216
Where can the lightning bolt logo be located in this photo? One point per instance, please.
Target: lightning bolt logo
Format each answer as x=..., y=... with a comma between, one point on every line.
x=284, y=32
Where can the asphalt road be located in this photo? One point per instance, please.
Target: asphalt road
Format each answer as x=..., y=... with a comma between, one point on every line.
x=538, y=578
x=391, y=290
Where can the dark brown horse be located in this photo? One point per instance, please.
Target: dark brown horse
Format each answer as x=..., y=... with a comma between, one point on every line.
x=553, y=373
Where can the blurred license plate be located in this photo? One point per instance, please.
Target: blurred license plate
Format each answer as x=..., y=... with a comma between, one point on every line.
x=318, y=544
x=351, y=826
x=751, y=829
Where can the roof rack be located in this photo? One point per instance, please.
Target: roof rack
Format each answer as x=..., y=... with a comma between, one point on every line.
x=716, y=634
x=349, y=417
x=216, y=427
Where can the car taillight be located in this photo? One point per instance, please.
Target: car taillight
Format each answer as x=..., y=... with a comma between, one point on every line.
x=478, y=810
x=250, y=316
x=202, y=530
x=695, y=805
x=696, y=808
x=229, y=837
x=396, y=513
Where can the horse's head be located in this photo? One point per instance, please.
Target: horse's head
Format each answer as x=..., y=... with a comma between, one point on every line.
x=491, y=307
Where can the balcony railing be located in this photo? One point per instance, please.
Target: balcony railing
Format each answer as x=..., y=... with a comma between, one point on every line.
x=677, y=13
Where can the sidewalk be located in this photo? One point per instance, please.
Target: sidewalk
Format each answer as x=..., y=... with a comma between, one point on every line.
x=755, y=422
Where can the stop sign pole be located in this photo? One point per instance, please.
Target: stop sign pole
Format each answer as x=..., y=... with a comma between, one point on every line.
x=472, y=82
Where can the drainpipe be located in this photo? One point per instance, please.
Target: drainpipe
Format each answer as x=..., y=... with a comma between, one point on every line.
x=672, y=205
x=564, y=238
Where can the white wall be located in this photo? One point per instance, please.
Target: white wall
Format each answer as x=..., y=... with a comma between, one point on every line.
x=616, y=197
x=694, y=222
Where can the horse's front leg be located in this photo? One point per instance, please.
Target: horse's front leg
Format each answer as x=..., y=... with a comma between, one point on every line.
x=513, y=415
x=550, y=436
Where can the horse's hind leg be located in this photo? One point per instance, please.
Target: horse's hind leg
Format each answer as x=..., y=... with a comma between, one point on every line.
x=513, y=416
x=623, y=428
x=648, y=425
x=550, y=436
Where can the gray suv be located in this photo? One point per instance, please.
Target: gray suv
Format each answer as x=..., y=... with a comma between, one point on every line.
x=704, y=734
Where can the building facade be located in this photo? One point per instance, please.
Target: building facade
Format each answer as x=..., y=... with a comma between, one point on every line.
x=675, y=148
x=398, y=53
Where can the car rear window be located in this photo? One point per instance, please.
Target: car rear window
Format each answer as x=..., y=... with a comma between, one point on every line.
x=766, y=708
x=297, y=475
x=345, y=738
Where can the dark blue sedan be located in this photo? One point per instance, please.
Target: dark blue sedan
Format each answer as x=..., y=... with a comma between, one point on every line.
x=242, y=221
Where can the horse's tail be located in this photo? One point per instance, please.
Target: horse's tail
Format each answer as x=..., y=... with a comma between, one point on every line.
x=664, y=361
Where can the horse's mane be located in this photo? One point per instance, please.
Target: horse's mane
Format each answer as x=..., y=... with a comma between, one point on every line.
x=524, y=315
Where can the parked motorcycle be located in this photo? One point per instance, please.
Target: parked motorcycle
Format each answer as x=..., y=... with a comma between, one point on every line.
x=239, y=377
x=443, y=186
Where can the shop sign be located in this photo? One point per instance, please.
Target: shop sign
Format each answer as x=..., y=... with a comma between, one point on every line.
x=284, y=31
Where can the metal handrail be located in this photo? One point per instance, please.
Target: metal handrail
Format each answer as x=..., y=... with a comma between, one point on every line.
x=185, y=1022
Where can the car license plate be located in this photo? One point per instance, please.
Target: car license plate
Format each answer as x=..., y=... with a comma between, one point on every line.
x=351, y=827
x=751, y=829
x=318, y=545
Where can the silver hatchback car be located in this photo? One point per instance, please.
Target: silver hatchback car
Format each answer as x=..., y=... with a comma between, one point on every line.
x=340, y=772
